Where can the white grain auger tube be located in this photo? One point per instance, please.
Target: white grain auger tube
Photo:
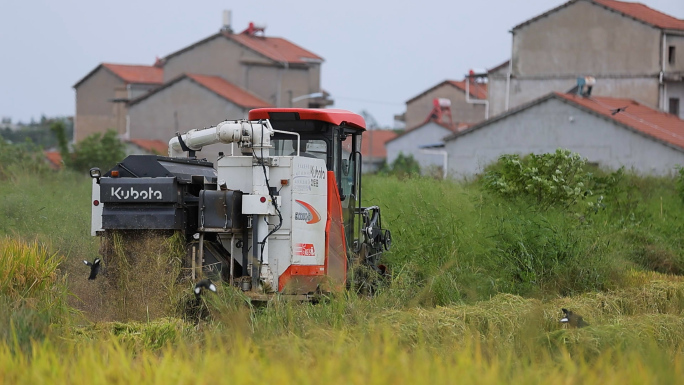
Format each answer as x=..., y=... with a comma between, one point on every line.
x=247, y=134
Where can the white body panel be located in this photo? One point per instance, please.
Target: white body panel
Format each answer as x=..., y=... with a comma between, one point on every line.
x=302, y=203
x=96, y=212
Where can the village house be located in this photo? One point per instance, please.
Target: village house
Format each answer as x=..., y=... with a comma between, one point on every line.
x=465, y=107
x=219, y=77
x=187, y=102
x=609, y=132
x=102, y=96
x=632, y=51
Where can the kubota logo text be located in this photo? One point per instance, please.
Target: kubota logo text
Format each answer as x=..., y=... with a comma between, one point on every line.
x=134, y=194
x=310, y=215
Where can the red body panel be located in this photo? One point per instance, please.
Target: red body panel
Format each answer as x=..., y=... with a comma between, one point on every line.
x=329, y=115
x=335, y=243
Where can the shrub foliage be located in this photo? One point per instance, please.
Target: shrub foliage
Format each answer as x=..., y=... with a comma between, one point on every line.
x=550, y=178
x=96, y=150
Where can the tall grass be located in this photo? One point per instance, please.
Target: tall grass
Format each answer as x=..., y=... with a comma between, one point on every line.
x=457, y=242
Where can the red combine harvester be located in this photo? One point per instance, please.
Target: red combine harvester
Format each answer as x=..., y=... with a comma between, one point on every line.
x=281, y=213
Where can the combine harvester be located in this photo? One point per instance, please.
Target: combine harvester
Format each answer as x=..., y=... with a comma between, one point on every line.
x=280, y=214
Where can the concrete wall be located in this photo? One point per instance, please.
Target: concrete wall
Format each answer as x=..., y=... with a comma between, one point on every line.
x=94, y=111
x=138, y=90
x=409, y=144
x=193, y=105
x=553, y=124
x=218, y=57
x=417, y=110
x=496, y=91
x=584, y=38
x=677, y=42
x=245, y=68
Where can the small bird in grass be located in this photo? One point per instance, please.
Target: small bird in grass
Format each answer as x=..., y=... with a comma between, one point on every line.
x=94, y=268
x=619, y=109
x=573, y=319
x=204, y=284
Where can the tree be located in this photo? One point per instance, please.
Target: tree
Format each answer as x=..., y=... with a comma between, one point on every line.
x=97, y=150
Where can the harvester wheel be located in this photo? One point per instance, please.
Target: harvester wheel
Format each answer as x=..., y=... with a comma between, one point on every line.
x=387, y=241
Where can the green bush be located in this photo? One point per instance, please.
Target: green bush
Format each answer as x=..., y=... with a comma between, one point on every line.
x=403, y=166
x=551, y=178
x=97, y=150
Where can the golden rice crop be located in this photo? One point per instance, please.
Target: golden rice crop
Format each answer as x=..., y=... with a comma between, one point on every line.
x=27, y=270
x=345, y=359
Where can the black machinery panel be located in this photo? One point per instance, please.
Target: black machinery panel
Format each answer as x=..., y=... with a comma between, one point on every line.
x=220, y=210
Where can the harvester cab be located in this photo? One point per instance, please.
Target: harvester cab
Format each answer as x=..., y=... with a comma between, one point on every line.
x=281, y=213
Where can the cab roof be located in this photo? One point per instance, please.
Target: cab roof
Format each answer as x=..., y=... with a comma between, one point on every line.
x=328, y=115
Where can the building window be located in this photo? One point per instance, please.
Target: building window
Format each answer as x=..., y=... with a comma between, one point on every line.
x=671, y=55
x=674, y=106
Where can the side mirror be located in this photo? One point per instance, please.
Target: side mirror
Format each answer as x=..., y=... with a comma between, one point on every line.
x=95, y=173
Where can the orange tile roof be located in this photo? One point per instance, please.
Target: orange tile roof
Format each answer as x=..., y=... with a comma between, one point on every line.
x=137, y=73
x=644, y=13
x=637, y=11
x=154, y=146
x=477, y=90
x=657, y=124
x=275, y=48
x=229, y=91
x=379, y=138
x=54, y=159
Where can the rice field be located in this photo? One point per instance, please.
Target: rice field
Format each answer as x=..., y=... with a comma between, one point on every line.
x=464, y=303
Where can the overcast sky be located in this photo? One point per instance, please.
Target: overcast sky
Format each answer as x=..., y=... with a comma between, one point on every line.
x=378, y=54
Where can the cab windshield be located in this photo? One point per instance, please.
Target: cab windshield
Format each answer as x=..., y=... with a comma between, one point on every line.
x=311, y=148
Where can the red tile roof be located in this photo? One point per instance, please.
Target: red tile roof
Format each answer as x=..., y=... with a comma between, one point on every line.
x=657, y=124
x=229, y=91
x=154, y=146
x=477, y=90
x=54, y=159
x=644, y=13
x=637, y=11
x=275, y=48
x=379, y=138
x=137, y=73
